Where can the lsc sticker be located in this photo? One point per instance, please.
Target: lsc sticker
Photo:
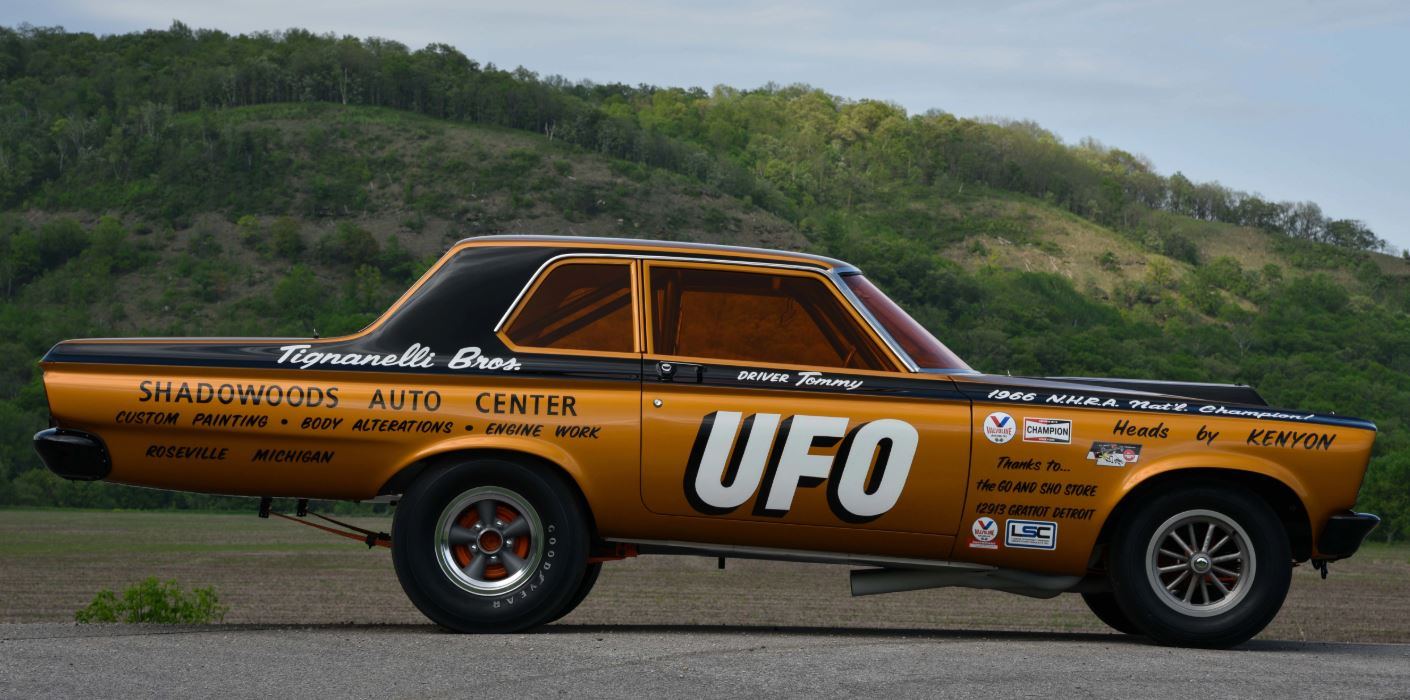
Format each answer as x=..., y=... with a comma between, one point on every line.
x=999, y=427
x=1030, y=534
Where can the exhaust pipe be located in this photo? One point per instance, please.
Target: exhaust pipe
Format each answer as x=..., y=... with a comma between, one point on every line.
x=874, y=581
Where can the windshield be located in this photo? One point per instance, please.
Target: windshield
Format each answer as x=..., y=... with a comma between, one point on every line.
x=924, y=349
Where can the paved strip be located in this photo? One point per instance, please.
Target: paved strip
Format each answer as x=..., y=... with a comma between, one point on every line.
x=67, y=660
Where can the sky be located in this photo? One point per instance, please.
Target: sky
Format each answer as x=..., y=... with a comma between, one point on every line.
x=1293, y=100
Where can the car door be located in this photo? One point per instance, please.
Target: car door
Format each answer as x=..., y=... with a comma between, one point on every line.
x=767, y=397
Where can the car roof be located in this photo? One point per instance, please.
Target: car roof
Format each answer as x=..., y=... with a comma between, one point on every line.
x=653, y=247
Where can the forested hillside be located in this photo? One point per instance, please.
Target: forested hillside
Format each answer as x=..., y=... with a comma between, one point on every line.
x=192, y=182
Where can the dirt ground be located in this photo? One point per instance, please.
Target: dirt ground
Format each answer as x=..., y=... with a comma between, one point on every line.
x=274, y=572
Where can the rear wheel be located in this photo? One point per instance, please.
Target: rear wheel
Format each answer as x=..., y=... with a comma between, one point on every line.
x=1104, y=606
x=489, y=545
x=1206, y=566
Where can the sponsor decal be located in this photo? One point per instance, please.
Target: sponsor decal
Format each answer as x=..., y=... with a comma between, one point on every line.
x=516, y=429
x=232, y=420
x=383, y=425
x=1206, y=435
x=806, y=379
x=293, y=456
x=147, y=417
x=295, y=396
x=1030, y=464
x=983, y=533
x=1080, y=400
x=736, y=457
x=1030, y=534
x=1126, y=428
x=817, y=379
x=1051, y=430
x=577, y=432
x=769, y=377
x=320, y=423
x=1114, y=454
x=405, y=399
x=999, y=427
x=187, y=452
x=526, y=404
x=1254, y=413
x=417, y=356
x=1089, y=401
x=1291, y=439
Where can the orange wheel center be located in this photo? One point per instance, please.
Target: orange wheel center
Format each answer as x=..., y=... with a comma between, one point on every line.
x=490, y=541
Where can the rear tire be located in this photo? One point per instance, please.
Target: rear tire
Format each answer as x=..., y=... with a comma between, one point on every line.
x=584, y=588
x=1205, y=566
x=489, y=545
x=1105, y=607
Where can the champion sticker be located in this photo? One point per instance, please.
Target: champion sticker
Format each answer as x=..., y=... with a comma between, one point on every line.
x=1051, y=430
x=1114, y=454
x=983, y=534
x=999, y=427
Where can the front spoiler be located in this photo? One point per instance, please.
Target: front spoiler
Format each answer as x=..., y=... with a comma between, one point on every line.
x=73, y=454
x=1343, y=534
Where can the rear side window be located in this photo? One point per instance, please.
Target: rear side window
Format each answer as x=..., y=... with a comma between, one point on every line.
x=755, y=316
x=578, y=306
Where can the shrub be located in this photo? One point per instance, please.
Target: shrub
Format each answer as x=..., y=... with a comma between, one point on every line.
x=350, y=245
x=154, y=602
x=288, y=242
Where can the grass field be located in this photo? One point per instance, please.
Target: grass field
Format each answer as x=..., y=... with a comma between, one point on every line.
x=271, y=571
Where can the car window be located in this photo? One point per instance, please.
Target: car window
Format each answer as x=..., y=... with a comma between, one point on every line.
x=924, y=349
x=757, y=316
x=578, y=306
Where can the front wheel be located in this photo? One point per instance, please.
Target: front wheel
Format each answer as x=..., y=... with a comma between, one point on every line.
x=1207, y=566
x=489, y=545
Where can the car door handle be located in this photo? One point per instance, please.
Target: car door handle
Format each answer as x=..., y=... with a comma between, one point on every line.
x=684, y=372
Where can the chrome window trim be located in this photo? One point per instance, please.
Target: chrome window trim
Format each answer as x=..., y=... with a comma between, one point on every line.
x=833, y=276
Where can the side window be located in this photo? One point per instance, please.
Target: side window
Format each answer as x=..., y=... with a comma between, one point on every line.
x=755, y=316
x=578, y=306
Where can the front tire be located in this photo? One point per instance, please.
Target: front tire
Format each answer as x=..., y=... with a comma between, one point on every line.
x=489, y=545
x=1206, y=566
x=1105, y=607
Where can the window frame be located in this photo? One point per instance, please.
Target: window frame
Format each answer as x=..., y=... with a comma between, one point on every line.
x=880, y=344
x=543, y=273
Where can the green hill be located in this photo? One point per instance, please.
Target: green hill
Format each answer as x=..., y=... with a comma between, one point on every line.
x=191, y=182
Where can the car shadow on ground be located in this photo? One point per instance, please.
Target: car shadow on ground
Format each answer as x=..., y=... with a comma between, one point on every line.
x=15, y=632
x=1256, y=645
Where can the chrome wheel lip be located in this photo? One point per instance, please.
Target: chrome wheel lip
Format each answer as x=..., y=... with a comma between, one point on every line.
x=1201, y=560
x=445, y=550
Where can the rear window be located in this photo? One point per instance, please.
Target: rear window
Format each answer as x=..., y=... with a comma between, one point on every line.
x=924, y=349
x=757, y=317
x=578, y=306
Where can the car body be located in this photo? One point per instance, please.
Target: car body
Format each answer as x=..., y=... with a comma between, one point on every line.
x=703, y=399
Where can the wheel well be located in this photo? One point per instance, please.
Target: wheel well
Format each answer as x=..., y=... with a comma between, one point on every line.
x=1282, y=499
x=403, y=478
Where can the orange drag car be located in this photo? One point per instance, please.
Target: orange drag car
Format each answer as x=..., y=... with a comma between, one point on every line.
x=538, y=405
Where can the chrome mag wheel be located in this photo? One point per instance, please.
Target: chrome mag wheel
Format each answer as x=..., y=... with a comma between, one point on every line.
x=1200, y=563
x=489, y=540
